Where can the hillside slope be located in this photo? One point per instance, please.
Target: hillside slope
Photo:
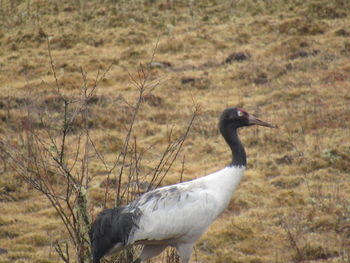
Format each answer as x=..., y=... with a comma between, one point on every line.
x=285, y=61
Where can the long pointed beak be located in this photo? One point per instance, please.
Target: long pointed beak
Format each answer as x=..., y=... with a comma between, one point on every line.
x=255, y=121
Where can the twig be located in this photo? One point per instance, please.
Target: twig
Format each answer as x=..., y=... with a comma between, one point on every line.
x=292, y=241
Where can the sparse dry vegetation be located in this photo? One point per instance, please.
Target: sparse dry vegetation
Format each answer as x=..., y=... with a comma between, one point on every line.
x=287, y=61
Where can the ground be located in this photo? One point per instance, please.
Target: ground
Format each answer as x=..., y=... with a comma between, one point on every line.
x=285, y=61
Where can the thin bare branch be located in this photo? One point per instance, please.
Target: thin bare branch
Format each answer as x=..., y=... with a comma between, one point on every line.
x=53, y=69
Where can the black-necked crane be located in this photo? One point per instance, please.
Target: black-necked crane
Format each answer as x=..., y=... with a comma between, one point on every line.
x=175, y=215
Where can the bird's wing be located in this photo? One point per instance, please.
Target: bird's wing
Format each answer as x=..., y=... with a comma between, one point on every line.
x=172, y=212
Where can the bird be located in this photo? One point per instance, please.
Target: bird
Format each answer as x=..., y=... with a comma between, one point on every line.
x=176, y=215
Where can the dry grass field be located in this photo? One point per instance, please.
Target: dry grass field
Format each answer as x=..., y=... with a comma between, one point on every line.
x=286, y=61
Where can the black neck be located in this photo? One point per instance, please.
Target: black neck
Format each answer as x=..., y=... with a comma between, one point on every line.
x=238, y=153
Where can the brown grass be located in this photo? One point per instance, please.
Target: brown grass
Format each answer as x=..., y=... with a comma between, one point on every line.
x=293, y=204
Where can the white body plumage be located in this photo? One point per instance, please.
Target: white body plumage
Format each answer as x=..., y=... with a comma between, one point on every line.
x=181, y=213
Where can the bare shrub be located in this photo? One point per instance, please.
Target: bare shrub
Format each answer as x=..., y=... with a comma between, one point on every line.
x=53, y=156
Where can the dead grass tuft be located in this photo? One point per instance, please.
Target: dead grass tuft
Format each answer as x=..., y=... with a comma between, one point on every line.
x=328, y=10
x=38, y=239
x=302, y=26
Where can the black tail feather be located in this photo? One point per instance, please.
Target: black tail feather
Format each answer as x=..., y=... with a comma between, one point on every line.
x=111, y=227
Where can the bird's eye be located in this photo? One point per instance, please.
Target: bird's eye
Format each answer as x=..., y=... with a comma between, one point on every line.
x=239, y=113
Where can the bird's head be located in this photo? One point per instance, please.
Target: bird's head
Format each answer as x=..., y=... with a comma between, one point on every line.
x=237, y=117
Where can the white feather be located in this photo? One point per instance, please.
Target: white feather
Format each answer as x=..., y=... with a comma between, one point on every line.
x=181, y=213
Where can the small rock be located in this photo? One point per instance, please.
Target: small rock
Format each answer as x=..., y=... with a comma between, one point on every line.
x=237, y=56
x=189, y=80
